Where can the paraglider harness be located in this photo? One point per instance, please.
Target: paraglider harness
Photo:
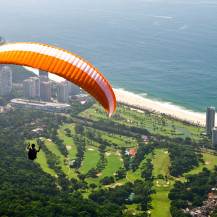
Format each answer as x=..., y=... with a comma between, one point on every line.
x=32, y=154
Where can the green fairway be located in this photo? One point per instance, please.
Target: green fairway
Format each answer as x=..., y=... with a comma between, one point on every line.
x=133, y=176
x=91, y=159
x=153, y=122
x=68, y=141
x=114, y=163
x=54, y=149
x=210, y=161
x=42, y=160
x=161, y=162
x=161, y=204
x=160, y=200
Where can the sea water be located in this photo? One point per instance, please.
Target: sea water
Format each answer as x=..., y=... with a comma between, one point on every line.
x=164, y=50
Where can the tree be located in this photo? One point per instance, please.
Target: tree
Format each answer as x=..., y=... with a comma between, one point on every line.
x=92, y=173
x=82, y=177
x=93, y=185
x=79, y=129
x=120, y=174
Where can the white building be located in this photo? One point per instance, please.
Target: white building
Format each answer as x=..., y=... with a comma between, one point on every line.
x=5, y=81
x=45, y=106
x=210, y=119
x=45, y=91
x=31, y=87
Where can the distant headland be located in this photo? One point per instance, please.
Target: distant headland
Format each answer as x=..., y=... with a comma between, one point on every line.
x=2, y=40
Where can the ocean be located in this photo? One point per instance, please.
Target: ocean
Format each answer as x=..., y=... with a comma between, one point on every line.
x=163, y=50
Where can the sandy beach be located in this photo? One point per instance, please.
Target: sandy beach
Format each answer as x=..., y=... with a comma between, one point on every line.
x=158, y=107
x=151, y=105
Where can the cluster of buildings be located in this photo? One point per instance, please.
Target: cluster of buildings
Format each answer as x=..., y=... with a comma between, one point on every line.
x=207, y=208
x=37, y=92
x=211, y=129
x=40, y=88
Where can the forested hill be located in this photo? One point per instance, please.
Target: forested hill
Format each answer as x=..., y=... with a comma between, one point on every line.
x=26, y=190
x=91, y=165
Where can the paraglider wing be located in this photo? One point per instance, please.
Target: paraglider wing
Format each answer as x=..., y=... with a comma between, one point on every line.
x=64, y=64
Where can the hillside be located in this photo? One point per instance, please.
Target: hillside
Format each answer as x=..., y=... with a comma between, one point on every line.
x=87, y=154
x=2, y=40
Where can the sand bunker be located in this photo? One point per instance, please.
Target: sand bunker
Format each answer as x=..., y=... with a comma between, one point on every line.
x=117, y=184
x=90, y=149
x=117, y=153
x=121, y=159
x=207, y=162
x=49, y=140
x=99, y=174
x=107, y=154
x=165, y=186
x=166, y=152
x=68, y=147
x=158, y=185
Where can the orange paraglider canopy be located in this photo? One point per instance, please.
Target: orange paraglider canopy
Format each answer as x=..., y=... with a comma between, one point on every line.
x=64, y=64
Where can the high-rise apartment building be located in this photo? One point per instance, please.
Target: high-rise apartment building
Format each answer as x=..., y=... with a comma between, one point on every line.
x=63, y=92
x=43, y=73
x=31, y=87
x=5, y=81
x=214, y=135
x=73, y=89
x=210, y=119
x=43, y=78
x=45, y=91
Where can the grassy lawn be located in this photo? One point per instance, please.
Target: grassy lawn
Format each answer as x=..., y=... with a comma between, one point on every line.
x=160, y=200
x=210, y=162
x=113, y=165
x=121, y=141
x=161, y=204
x=91, y=159
x=153, y=122
x=41, y=159
x=54, y=149
x=161, y=162
x=68, y=141
x=133, y=176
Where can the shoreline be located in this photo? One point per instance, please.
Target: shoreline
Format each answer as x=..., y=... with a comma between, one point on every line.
x=159, y=108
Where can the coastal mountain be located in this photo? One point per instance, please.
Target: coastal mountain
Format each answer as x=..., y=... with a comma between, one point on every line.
x=2, y=40
x=19, y=73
